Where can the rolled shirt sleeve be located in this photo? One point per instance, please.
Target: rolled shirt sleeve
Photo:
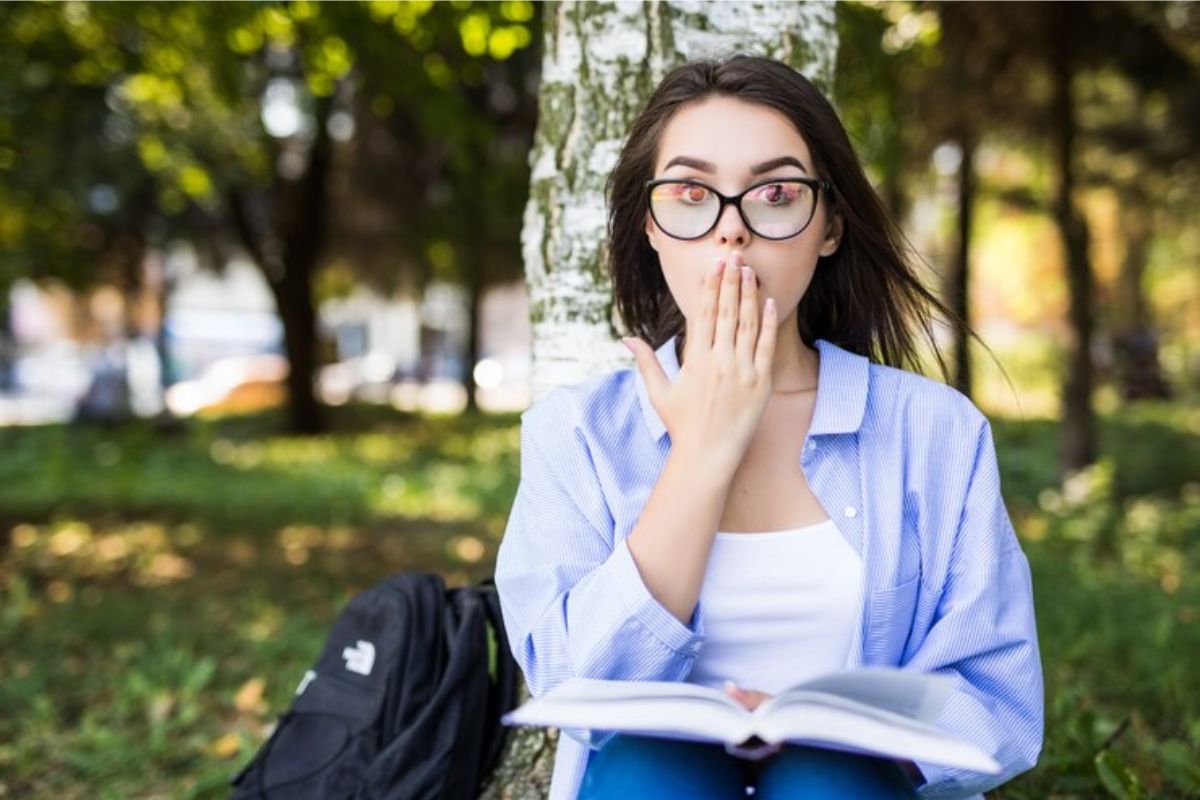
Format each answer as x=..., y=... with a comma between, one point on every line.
x=984, y=635
x=574, y=603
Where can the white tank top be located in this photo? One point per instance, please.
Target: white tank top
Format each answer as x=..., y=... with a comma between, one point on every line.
x=779, y=607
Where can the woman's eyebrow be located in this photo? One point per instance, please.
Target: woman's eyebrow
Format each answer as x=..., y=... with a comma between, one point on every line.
x=757, y=169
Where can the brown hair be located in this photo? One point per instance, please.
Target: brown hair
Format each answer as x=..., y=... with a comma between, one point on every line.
x=865, y=297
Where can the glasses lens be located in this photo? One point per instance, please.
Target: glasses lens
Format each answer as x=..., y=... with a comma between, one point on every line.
x=683, y=209
x=776, y=210
x=779, y=209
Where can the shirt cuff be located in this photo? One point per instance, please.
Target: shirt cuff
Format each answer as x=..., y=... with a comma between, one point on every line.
x=920, y=779
x=644, y=607
x=937, y=783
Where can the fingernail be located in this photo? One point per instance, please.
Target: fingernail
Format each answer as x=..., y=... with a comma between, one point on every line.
x=745, y=274
x=731, y=685
x=716, y=270
x=770, y=309
x=628, y=346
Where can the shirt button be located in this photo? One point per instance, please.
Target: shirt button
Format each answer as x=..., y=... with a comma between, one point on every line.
x=812, y=445
x=850, y=511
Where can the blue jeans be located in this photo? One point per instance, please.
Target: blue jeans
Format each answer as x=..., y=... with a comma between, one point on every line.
x=631, y=767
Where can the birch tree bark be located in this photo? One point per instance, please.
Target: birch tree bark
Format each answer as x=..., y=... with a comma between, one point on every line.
x=600, y=63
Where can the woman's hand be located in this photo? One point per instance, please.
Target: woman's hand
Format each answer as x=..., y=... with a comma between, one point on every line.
x=714, y=406
x=750, y=698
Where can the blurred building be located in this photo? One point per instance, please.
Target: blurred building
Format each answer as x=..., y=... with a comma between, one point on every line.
x=220, y=346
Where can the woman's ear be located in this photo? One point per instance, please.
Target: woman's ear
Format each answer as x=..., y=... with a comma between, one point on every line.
x=833, y=234
x=651, y=232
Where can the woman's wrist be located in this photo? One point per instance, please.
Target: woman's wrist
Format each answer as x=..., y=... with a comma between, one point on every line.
x=710, y=469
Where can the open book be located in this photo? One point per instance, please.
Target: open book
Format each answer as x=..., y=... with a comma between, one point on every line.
x=877, y=711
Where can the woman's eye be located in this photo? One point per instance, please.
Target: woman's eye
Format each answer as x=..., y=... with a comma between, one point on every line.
x=777, y=194
x=693, y=194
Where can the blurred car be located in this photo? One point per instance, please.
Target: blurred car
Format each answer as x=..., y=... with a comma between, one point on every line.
x=236, y=384
x=369, y=377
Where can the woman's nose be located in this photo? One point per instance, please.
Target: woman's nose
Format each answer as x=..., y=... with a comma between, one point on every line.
x=730, y=228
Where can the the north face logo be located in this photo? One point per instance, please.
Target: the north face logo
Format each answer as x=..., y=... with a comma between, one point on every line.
x=360, y=658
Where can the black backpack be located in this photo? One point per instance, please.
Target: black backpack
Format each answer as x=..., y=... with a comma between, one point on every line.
x=404, y=701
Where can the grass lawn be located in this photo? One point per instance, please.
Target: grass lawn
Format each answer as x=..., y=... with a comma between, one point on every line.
x=160, y=596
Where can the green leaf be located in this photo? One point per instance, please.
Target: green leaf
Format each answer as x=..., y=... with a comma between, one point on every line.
x=1179, y=764
x=493, y=651
x=1116, y=777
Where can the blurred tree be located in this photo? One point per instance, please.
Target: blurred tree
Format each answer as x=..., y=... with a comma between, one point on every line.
x=968, y=91
x=875, y=87
x=74, y=203
x=1140, y=132
x=435, y=175
x=309, y=63
x=234, y=116
x=1077, y=38
x=916, y=77
x=969, y=71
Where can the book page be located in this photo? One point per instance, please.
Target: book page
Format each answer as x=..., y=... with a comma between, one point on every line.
x=879, y=711
x=880, y=734
x=593, y=689
x=695, y=712
x=917, y=696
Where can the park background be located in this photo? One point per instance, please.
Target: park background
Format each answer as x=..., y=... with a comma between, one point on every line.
x=276, y=280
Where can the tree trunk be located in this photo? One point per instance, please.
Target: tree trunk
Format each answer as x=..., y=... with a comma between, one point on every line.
x=958, y=285
x=285, y=234
x=892, y=190
x=298, y=313
x=1136, y=342
x=475, y=289
x=964, y=80
x=600, y=63
x=8, y=347
x=1079, y=437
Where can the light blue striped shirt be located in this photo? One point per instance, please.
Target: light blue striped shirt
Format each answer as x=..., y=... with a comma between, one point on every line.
x=906, y=468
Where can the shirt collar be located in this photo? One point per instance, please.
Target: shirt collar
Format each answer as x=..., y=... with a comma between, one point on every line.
x=842, y=380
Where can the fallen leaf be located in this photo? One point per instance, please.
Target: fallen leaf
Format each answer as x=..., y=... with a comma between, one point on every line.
x=227, y=746
x=249, y=698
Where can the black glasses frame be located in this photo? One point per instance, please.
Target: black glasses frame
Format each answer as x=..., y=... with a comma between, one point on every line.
x=816, y=184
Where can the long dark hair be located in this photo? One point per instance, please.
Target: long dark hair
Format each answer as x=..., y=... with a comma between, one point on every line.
x=865, y=297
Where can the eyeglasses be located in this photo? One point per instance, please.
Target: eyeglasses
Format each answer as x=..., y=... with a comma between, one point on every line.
x=773, y=209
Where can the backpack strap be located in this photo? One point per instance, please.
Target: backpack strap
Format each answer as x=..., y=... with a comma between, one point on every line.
x=503, y=695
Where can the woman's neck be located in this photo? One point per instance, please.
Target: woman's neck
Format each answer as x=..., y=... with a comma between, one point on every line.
x=795, y=366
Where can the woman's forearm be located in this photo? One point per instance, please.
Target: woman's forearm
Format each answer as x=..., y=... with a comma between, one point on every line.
x=673, y=537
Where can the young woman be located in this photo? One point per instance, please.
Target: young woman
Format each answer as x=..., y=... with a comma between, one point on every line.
x=770, y=495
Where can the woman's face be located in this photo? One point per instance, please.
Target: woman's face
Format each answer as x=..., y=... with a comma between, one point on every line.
x=734, y=137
